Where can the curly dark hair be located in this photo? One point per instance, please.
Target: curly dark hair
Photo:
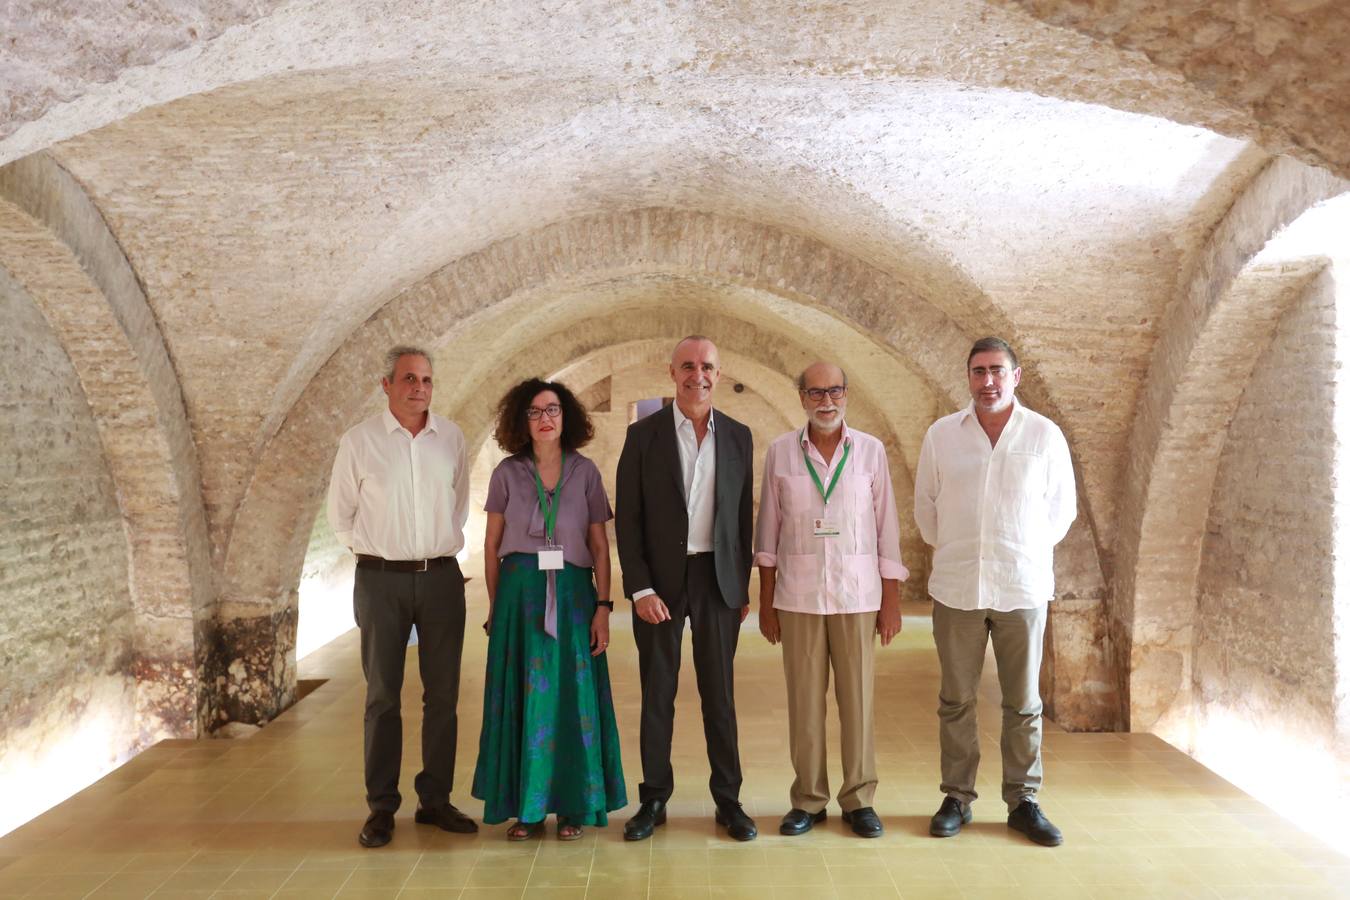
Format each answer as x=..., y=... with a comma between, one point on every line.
x=513, y=429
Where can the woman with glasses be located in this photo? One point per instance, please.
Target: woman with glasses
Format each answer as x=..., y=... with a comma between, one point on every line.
x=549, y=742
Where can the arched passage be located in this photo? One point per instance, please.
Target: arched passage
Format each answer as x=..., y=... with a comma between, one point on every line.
x=489, y=305
x=1222, y=323
x=56, y=244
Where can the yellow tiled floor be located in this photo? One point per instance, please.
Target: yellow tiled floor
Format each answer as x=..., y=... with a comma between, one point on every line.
x=277, y=815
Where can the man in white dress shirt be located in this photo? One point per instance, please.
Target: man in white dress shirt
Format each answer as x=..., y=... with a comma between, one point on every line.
x=398, y=499
x=993, y=495
x=682, y=516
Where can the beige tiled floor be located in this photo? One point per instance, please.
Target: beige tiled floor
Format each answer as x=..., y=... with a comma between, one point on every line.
x=277, y=815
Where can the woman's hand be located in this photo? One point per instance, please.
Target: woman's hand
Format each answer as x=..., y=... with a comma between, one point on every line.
x=487, y=623
x=600, y=630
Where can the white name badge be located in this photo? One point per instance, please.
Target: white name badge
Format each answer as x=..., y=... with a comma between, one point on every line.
x=550, y=558
x=825, y=527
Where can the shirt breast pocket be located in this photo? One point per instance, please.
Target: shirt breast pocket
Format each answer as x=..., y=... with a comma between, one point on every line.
x=1024, y=478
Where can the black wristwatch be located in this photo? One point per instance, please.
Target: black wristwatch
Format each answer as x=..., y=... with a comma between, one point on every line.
x=609, y=604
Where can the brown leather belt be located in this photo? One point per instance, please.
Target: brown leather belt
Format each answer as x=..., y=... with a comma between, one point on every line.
x=366, y=561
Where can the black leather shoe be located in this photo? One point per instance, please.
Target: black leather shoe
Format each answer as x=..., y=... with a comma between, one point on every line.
x=446, y=817
x=737, y=823
x=949, y=818
x=650, y=814
x=865, y=822
x=1028, y=819
x=378, y=830
x=799, y=821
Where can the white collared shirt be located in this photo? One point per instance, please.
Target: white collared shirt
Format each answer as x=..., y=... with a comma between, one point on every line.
x=698, y=465
x=994, y=514
x=397, y=496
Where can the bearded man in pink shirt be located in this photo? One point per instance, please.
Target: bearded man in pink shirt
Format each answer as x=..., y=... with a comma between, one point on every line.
x=828, y=551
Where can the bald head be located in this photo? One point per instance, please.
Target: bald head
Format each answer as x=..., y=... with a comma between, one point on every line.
x=691, y=339
x=826, y=374
x=695, y=367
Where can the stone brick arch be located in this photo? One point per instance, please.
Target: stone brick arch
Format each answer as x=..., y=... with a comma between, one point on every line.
x=647, y=336
x=771, y=368
x=487, y=305
x=1224, y=318
x=55, y=243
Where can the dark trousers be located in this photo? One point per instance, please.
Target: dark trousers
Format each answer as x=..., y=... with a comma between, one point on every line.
x=715, y=628
x=387, y=605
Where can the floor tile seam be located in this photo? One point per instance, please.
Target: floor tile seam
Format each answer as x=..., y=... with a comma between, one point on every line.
x=343, y=886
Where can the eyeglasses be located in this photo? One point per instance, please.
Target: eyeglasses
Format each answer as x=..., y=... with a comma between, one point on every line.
x=553, y=410
x=818, y=394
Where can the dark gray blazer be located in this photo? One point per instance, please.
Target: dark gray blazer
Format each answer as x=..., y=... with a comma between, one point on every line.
x=652, y=523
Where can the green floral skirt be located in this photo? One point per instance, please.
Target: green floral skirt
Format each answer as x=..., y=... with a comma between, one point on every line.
x=550, y=743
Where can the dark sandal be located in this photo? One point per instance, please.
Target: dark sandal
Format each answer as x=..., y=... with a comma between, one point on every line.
x=523, y=831
x=564, y=834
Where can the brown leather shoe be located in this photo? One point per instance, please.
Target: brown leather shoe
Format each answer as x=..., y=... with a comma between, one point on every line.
x=446, y=817
x=378, y=830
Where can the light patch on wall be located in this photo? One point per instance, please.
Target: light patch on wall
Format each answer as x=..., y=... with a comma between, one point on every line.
x=1340, y=610
x=325, y=609
x=1286, y=770
x=1321, y=231
x=53, y=759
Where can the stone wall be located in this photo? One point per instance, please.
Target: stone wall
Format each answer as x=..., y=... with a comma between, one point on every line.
x=1264, y=665
x=325, y=594
x=68, y=695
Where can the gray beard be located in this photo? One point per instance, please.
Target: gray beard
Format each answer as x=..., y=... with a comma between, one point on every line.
x=830, y=428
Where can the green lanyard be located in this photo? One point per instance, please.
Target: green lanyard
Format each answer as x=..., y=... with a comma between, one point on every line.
x=839, y=470
x=551, y=509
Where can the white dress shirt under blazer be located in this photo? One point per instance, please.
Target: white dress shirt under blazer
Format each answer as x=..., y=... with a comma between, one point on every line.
x=397, y=496
x=994, y=514
x=698, y=473
x=698, y=463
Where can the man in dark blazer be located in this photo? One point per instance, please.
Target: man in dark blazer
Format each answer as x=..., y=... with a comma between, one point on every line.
x=682, y=517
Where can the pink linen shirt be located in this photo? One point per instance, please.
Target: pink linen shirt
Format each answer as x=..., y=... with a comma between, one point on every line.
x=828, y=575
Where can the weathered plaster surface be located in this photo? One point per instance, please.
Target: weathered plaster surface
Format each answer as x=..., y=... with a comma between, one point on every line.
x=67, y=622
x=57, y=246
x=963, y=41
x=56, y=52
x=1281, y=62
x=1264, y=661
x=1221, y=322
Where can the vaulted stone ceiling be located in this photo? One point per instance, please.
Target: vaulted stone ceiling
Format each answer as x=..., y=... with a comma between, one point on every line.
x=295, y=184
x=276, y=184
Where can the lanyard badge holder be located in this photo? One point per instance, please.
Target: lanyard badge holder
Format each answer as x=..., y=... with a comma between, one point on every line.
x=551, y=554
x=825, y=526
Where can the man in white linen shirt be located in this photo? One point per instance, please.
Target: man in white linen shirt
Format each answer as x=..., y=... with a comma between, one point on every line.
x=398, y=498
x=993, y=495
x=828, y=551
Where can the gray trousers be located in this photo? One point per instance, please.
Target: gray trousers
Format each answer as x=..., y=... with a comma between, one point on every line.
x=387, y=605
x=961, y=637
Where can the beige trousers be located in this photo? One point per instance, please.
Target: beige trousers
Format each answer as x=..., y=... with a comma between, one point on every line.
x=1018, y=637
x=812, y=646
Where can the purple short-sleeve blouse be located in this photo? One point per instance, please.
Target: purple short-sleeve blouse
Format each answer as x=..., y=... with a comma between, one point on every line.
x=512, y=493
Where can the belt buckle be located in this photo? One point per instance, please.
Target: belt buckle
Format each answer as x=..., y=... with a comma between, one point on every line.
x=424, y=565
